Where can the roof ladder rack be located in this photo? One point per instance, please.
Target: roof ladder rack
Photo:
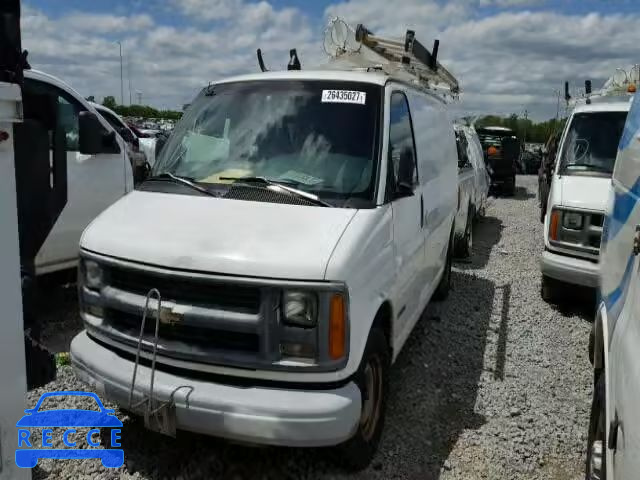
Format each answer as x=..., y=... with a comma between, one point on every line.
x=402, y=57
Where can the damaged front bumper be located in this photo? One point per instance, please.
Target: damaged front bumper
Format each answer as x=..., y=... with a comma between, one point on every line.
x=254, y=414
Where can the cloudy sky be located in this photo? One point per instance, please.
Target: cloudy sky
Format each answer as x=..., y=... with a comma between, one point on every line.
x=509, y=55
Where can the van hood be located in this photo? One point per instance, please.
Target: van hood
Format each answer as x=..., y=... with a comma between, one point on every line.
x=216, y=235
x=591, y=193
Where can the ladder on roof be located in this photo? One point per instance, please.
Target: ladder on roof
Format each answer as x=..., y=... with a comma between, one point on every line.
x=409, y=59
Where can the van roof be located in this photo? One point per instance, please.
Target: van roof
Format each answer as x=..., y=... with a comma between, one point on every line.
x=619, y=104
x=376, y=78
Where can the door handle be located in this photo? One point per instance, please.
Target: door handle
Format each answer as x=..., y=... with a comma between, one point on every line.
x=421, y=211
x=636, y=242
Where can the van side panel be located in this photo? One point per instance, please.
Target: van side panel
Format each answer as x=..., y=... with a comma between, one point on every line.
x=438, y=174
x=619, y=291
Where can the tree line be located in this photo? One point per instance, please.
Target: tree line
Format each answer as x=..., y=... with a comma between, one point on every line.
x=143, y=111
x=526, y=129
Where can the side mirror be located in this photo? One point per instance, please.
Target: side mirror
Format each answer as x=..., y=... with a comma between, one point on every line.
x=404, y=186
x=141, y=173
x=94, y=138
x=126, y=135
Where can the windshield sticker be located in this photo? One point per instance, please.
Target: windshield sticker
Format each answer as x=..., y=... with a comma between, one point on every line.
x=344, y=96
x=300, y=177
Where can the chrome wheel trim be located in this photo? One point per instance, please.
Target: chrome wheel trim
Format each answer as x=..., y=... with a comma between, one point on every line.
x=595, y=460
x=372, y=392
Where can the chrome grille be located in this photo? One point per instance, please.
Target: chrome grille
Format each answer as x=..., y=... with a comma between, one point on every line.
x=187, y=291
x=199, y=337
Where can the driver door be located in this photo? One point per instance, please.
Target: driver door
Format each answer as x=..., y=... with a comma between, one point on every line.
x=94, y=182
x=406, y=199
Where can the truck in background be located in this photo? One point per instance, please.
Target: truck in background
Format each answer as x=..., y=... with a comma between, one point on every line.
x=502, y=153
x=98, y=171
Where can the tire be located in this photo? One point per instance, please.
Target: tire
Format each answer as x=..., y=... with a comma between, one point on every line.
x=549, y=289
x=596, y=464
x=511, y=187
x=464, y=245
x=442, y=291
x=372, y=379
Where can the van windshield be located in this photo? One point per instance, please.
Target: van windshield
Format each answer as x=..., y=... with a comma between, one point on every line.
x=317, y=136
x=591, y=144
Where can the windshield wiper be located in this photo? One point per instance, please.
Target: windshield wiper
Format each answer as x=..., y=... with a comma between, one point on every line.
x=588, y=166
x=294, y=191
x=182, y=181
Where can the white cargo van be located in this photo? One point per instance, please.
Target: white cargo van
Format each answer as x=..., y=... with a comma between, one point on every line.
x=580, y=187
x=296, y=226
x=94, y=181
x=473, y=187
x=614, y=430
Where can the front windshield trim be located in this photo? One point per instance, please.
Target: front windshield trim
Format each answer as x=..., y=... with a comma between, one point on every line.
x=364, y=195
x=568, y=166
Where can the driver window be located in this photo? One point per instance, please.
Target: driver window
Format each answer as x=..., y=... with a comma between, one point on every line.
x=401, y=145
x=67, y=110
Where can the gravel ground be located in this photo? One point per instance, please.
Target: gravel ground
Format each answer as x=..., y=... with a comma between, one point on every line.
x=493, y=383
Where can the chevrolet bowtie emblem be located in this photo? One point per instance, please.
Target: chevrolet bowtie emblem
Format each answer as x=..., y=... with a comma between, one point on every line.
x=168, y=316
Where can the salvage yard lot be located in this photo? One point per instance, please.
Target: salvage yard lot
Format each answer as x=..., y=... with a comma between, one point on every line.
x=493, y=383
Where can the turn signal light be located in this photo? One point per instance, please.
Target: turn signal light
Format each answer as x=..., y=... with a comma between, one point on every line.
x=337, y=327
x=632, y=88
x=553, y=225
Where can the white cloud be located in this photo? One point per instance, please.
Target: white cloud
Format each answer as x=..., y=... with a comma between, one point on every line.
x=506, y=62
x=103, y=23
x=169, y=64
x=510, y=61
x=512, y=3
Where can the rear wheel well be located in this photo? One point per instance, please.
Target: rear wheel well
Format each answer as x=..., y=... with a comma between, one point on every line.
x=383, y=322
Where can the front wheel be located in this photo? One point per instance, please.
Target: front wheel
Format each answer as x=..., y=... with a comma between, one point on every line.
x=510, y=188
x=596, y=467
x=442, y=291
x=372, y=379
x=465, y=244
x=549, y=289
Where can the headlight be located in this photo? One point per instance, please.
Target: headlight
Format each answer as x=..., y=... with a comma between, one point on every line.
x=300, y=309
x=572, y=220
x=93, y=275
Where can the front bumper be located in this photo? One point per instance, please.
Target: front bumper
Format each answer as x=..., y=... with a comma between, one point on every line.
x=271, y=416
x=570, y=269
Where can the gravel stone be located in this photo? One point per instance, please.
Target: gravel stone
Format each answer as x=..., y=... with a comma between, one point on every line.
x=493, y=347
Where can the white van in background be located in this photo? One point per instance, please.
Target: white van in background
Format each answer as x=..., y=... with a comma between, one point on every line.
x=473, y=187
x=94, y=181
x=614, y=433
x=580, y=189
x=306, y=222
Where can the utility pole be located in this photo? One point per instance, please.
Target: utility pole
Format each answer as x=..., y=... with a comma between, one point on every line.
x=558, y=107
x=139, y=94
x=526, y=117
x=121, y=76
x=129, y=71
